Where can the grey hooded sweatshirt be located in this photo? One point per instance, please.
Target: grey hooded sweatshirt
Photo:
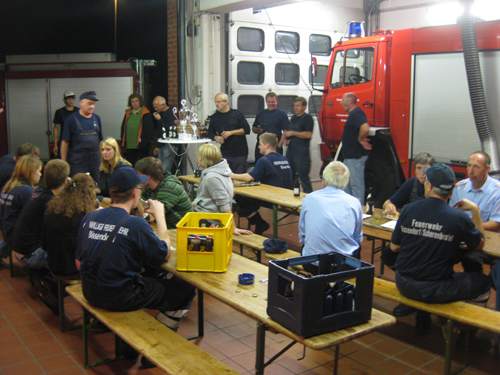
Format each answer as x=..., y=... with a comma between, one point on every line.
x=215, y=192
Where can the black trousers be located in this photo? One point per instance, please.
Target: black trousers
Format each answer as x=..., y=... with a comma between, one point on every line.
x=152, y=293
x=461, y=286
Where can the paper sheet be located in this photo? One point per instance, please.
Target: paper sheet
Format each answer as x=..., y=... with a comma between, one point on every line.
x=391, y=224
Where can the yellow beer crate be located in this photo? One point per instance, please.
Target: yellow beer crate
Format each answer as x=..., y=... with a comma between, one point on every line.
x=204, y=249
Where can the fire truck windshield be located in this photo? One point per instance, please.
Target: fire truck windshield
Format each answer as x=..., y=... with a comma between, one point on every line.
x=352, y=67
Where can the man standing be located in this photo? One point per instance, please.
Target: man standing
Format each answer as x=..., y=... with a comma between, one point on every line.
x=271, y=169
x=60, y=116
x=165, y=119
x=298, y=136
x=228, y=127
x=113, y=248
x=271, y=120
x=428, y=236
x=81, y=138
x=331, y=219
x=355, y=145
x=165, y=188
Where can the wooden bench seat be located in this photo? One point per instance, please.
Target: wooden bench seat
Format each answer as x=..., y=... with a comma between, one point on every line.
x=256, y=243
x=287, y=254
x=461, y=312
x=168, y=350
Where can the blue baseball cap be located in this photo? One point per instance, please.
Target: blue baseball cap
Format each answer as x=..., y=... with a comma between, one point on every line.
x=89, y=95
x=125, y=179
x=441, y=176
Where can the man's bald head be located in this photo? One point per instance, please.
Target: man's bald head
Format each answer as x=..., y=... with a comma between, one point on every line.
x=160, y=104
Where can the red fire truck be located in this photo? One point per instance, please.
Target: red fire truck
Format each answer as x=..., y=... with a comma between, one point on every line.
x=412, y=85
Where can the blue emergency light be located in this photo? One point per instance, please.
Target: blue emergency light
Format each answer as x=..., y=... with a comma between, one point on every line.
x=356, y=29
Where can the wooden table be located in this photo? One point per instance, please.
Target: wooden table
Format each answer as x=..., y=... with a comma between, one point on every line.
x=251, y=301
x=272, y=194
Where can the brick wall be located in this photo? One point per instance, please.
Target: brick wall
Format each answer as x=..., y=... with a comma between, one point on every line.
x=173, y=89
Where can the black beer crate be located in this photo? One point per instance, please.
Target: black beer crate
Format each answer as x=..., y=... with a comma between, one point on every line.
x=339, y=296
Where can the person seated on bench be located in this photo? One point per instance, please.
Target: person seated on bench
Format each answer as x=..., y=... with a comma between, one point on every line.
x=411, y=191
x=27, y=238
x=428, y=236
x=15, y=194
x=215, y=192
x=166, y=188
x=62, y=221
x=111, y=159
x=114, y=247
x=271, y=169
x=483, y=190
x=330, y=219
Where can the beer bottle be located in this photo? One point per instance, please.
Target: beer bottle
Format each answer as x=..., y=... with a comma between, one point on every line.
x=296, y=186
x=370, y=202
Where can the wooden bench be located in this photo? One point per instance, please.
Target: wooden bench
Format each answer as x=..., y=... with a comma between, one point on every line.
x=461, y=312
x=253, y=241
x=287, y=254
x=168, y=350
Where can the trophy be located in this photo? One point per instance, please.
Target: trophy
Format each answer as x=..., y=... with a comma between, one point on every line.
x=194, y=123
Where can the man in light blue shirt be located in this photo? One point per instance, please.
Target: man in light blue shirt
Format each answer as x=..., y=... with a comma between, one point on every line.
x=331, y=219
x=480, y=189
x=484, y=191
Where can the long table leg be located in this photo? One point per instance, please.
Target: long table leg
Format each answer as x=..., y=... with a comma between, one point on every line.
x=200, y=314
x=275, y=221
x=496, y=282
x=260, y=349
x=336, y=365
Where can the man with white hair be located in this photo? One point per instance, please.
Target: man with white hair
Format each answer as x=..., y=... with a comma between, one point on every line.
x=165, y=118
x=331, y=219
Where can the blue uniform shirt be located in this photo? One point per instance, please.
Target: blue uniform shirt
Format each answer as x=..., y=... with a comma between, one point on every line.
x=330, y=220
x=487, y=197
x=264, y=173
x=134, y=246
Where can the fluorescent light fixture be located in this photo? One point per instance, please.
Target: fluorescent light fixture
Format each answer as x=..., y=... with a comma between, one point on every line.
x=448, y=13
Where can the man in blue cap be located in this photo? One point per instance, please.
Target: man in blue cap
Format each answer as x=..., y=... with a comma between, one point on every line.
x=81, y=138
x=114, y=247
x=428, y=237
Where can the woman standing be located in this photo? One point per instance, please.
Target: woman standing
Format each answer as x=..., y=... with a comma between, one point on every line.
x=215, y=192
x=62, y=221
x=137, y=129
x=111, y=159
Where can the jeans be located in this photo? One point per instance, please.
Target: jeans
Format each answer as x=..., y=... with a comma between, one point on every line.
x=356, y=185
x=4, y=249
x=37, y=259
x=300, y=162
x=166, y=158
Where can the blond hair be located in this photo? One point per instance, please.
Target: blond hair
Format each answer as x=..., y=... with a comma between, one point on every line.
x=209, y=155
x=105, y=165
x=24, y=172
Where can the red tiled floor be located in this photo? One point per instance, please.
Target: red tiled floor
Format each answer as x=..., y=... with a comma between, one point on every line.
x=57, y=363
x=31, y=342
